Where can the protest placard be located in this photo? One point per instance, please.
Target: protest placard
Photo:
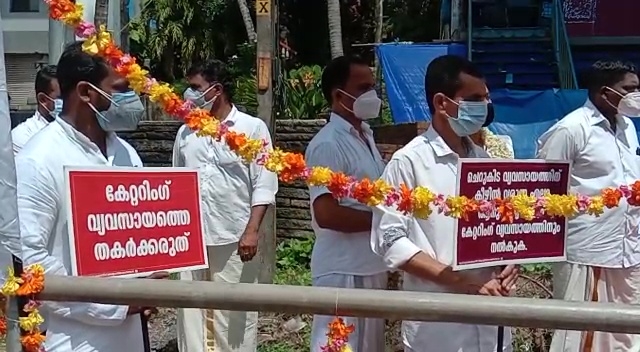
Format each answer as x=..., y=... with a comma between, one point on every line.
x=485, y=240
x=130, y=222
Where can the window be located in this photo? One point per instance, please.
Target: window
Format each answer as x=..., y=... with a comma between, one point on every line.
x=21, y=6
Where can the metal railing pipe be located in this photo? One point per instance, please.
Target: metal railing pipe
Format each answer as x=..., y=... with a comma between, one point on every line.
x=419, y=306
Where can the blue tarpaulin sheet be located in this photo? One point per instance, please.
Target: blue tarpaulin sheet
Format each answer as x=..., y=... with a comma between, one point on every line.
x=522, y=115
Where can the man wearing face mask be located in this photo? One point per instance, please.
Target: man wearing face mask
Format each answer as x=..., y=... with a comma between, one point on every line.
x=49, y=106
x=341, y=255
x=459, y=103
x=82, y=135
x=603, y=255
x=235, y=197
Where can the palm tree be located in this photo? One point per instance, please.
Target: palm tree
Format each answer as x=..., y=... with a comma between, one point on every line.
x=101, y=14
x=335, y=28
x=248, y=22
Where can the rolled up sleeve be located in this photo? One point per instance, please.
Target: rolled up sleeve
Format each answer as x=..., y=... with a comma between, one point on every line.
x=390, y=229
x=38, y=204
x=264, y=182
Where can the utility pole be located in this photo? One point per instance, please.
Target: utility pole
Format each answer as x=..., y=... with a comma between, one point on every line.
x=57, y=40
x=265, y=14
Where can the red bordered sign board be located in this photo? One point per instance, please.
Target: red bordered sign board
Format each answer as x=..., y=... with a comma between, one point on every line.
x=483, y=241
x=130, y=222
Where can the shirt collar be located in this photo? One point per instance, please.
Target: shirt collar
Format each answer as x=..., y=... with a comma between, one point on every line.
x=340, y=123
x=596, y=117
x=41, y=118
x=83, y=140
x=441, y=148
x=232, y=117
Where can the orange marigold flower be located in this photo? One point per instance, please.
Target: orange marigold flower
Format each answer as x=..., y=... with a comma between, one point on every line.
x=293, y=167
x=3, y=325
x=363, y=191
x=405, y=203
x=611, y=197
x=32, y=341
x=339, y=185
x=32, y=282
x=505, y=209
x=634, y=198
x=339, y=330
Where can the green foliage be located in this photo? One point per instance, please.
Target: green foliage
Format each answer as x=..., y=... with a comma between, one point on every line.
x=243, y=63
x=303, y=95
x=294, y=253
x=538, y=268
x=245, y=94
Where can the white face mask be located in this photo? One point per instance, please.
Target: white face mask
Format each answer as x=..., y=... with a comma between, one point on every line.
x=366, y=106
x=198, y=99
x=629, y=104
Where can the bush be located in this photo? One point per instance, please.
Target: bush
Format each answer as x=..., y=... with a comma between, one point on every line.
x=303, y=94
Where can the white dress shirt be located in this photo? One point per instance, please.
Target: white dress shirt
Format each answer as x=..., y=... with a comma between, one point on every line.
x=229, y=188
x=601, y=158
x=42, y=210
x=427, y=161
x=22, y=133
x=339, y=146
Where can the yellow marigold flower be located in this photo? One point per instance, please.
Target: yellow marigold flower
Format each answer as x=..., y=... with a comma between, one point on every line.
x=31, y=321
x=421, y=201
x=11, y=284
x=524, y=205
x=319, y=176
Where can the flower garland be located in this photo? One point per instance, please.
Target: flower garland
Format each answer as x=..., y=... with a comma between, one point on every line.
x=419, y=202
x=495, y=146
x=28, y=284
x=338, y=336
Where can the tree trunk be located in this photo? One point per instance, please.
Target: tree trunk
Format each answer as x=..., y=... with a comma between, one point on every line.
x=335, y=28
x=102, y=13
x=124, y=25
x=378, y=37
x=248, y=22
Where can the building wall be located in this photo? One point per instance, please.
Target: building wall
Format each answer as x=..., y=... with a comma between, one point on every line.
x=602, y=18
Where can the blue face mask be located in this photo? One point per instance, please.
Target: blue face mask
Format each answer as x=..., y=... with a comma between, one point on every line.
x=57, y=107
x=472, y=115
x=124, y=113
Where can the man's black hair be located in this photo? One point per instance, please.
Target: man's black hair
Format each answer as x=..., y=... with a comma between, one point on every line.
x=44, y=77
x=214, y=71
x=443, y=76
x=607, y=73
x=336, y=74
x=75, y=66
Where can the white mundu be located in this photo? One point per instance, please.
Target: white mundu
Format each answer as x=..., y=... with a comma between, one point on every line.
x=229, y=190
x=42, y=209
x=602, y=252
x=428, y=161
x=346, y=259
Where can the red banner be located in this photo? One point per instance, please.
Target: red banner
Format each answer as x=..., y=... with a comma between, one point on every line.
x=483, y=240
x=134, y=221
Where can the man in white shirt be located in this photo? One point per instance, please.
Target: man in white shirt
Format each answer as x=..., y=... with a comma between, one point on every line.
x=49, y=105
x=235, y=198
x=459, y=104
x=603, y=253
x=341, y=254
x=81, y=136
